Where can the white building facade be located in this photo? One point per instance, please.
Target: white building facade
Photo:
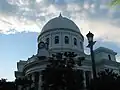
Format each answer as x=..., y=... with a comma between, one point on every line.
x=60, y=35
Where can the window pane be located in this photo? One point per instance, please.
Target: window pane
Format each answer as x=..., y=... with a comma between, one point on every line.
x=81, y=46
x=56, y=39
x=109, y=57
x=47, y=41
x=75, y=41
x=66, y=40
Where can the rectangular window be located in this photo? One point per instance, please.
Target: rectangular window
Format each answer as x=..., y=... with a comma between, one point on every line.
x=81, y=46
x=109, y=57
x=75, y=41
x=56, y=39
x=66, y=40
x=47, y=41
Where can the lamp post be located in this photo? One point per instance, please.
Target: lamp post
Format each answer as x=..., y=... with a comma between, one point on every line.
x=90, y=45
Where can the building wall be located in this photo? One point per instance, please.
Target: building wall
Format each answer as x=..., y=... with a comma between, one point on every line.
x=61, y=46
x=20, y=65
x=104, y=56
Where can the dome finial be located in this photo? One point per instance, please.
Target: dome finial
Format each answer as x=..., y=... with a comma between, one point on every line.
x=60, y=15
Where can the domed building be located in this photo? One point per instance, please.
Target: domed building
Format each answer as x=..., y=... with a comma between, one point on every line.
x=60, y=35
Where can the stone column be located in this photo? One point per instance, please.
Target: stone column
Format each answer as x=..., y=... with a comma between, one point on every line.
x=29, y=78
x=40, y=82
x=33, y=79
x=84, y=79
x=88, y=78
x=36, y=75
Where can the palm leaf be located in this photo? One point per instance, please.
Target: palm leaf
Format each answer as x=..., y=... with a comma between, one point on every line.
x=115, y=2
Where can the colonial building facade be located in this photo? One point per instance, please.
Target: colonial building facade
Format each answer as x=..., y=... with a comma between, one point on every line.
x=60, y=35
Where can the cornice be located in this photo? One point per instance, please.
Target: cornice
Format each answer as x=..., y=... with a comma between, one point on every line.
x=63, y=29
x=34, y=63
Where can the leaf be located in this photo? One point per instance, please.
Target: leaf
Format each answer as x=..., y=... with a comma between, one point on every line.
x=115, y=2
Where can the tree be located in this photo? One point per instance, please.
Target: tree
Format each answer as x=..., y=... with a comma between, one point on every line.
x=106, y=80
x=60, y=75
x=24, y=82
x=115, y=2
x=4, y=85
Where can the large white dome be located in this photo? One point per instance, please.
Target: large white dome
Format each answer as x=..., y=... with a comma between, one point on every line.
x=62, y=35
x=60, y=22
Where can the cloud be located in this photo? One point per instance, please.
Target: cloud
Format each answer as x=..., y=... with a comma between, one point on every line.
x=6, y=8
x=31, y=15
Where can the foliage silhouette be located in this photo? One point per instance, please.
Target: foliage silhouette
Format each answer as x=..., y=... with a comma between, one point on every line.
x=106, y=80
x=60, y=74
x=4, y=85
x=24, y=82
x=115, y=2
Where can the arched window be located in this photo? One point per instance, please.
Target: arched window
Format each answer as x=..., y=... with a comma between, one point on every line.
x=81, y=46
x=56, y=39
x=75, y=41
x=66, y=40
x=109, y=57
x=47, y=41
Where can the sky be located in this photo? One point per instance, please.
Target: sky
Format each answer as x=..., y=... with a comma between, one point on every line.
x=21, y=22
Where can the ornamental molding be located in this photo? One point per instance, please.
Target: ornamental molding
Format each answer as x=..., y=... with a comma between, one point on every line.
x=61, y=29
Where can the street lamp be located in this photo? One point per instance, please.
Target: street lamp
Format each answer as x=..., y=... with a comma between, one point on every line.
x=90, y=45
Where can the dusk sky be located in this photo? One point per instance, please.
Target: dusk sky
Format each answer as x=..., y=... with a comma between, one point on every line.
x=21, y=22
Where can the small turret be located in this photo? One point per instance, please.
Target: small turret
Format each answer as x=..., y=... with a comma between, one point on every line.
x=42, y=50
